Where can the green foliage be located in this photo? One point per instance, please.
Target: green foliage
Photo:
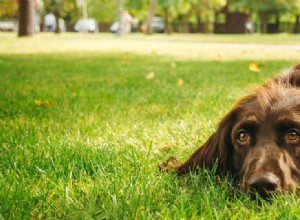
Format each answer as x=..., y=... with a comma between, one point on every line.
x=166, y=3
x=70, y=10
x=296, y=7
x=54, y=5
x=65, y=8
x=106, y=10
x=177, y=10
x=269, y=6
x=8, y=8
x=102, y=10
x=138, y=8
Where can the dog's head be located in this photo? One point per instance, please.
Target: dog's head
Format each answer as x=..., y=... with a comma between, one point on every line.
x=265, y=136
x=258, y=140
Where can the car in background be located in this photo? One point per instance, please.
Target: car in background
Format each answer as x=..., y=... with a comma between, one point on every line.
x=87, y=25
x=114, y=27
x=50, y=23
x=158, y=24
x=8, y=25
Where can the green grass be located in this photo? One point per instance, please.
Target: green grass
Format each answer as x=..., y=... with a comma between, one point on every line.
x=93, y=154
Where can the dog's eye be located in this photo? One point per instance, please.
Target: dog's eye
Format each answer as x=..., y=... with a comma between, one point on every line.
x=293, y=136
x=243, y=137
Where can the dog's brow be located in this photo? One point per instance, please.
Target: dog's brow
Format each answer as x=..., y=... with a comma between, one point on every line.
x=285, y=120
x=251, y=118
x=251, y=121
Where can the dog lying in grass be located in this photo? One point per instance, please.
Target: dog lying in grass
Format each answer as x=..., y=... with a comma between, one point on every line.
x=258, y=141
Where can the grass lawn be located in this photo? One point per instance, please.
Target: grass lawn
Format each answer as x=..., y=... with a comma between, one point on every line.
x=81, y=133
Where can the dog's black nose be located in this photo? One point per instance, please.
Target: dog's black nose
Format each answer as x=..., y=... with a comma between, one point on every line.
x=264, y=185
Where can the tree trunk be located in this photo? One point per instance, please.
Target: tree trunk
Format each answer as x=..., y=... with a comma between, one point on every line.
x=120, y=30
x=167, y=23
x=84, y=16
x=185, y=25
x=197, y=12
x=277, y=23
x=26, y=18
x=209, y=17
x=57, y=17
x=199, y=23
x=296, y=28
x=264, y=23
x=180, y=25
x=151, y=15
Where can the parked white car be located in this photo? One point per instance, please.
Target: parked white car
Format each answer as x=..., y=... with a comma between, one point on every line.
x=8, y=25
x=86, y=25
x=158, y=25
x=50, y=23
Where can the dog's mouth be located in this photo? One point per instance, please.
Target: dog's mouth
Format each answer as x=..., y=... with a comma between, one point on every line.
x=262, y=193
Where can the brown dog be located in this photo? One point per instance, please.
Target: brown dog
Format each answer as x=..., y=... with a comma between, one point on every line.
x=258, y=141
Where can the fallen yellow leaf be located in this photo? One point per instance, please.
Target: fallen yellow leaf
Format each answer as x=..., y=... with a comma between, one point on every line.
x=47, y=103
x=38, y=102
x=173, y=65
x=172, y=164
x=180, y=82
x=150, y=76
x=254, y=67
x=125, y=60
x=43, y=103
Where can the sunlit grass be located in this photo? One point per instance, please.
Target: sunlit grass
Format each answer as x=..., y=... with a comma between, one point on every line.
x=93, y=153
x=176, y=46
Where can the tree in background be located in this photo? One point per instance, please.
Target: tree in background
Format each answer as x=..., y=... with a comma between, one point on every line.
x=106, y=13
x=8, y=8
x=70, y=11
x=183, y=13
x=206, y=10
x=179, y=13
x=56, y=7
x=152, y=8
x=139, y=10
x=296, y=12
x=103, y=10
x=196, y=11
x=166, y=6
x=266, y=8
x=26, y=17
x=61, y=8
x=120, y=10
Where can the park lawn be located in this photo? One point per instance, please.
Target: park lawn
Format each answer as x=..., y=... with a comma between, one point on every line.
x=81, y=136
x=178, y=46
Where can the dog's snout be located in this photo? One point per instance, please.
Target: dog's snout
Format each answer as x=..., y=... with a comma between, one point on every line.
x=264, y=185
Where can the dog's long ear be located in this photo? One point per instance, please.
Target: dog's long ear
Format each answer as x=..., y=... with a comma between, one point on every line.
x=217, y=150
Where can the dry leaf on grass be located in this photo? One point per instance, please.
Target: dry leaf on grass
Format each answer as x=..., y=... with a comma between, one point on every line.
x=173, y=65
x=180, y=82
x=125, y=60
x=43, y=103
x=172, y=164
x=254, y=67
x=150, y=76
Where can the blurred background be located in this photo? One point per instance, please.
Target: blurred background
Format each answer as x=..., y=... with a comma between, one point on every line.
x=163, y=16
